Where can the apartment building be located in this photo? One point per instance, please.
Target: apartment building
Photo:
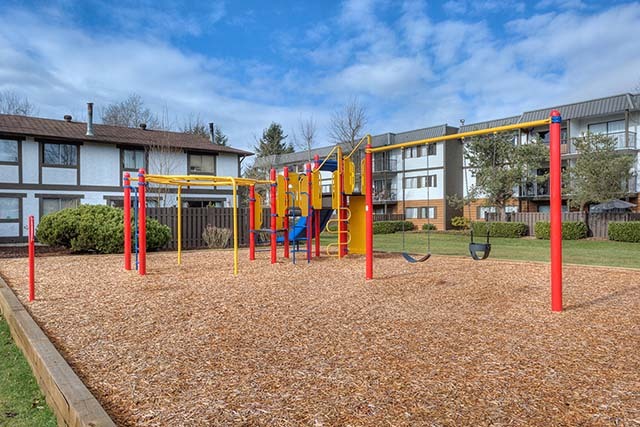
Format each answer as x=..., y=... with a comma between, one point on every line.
x=440, y=168
x=47, y=165
x=616, y=116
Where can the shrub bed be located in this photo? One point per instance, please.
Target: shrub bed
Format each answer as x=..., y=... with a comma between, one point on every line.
x=500, y=229
x=428, y=226
x=388, y=227
x=460, y=222
x=571, y=230
x=95, y=228
x=628, y=231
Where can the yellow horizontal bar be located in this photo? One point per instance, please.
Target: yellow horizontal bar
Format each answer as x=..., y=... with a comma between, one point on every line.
x=461, y=135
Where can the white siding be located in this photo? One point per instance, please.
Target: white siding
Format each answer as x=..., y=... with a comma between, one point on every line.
x=167, y=163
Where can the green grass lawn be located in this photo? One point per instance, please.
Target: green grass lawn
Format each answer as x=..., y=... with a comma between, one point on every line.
x=590, y=252
x=21, y=401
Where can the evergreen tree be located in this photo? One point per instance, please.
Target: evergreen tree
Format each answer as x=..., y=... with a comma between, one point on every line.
x=272, y=142
x=220, y=137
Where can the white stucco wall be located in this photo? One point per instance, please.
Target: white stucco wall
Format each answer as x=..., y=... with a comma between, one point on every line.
x=30, y=161
x=163, y=163
x=99, y=164
x=9, y=173
x=60, y=176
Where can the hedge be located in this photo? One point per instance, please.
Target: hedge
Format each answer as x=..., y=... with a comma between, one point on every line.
x=500, y=229
x=628, y=231
x=571, y=230
x=388, y=227
x=95, y=228
x=428, y=226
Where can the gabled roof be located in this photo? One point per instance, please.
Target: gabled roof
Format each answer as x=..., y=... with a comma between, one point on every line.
x=76, y=131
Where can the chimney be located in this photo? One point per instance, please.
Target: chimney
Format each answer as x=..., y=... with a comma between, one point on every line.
x=67, y=118
x=143, y=126
x=212, y=134
x=89, y=118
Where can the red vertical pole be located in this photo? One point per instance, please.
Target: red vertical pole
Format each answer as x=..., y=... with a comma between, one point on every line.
x=127, y=221
x=316, y=222
x=555, y=173
x=274, y=215
x=32, y=259
x=307, y=170
x=252, y=222
x=286, y=210
x=369, y=210
x=142, y=224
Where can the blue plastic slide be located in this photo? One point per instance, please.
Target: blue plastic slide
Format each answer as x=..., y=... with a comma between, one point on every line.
x=299, y=230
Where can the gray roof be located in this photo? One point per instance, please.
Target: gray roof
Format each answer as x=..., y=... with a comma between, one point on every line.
x=490, y=124
x=593, y=107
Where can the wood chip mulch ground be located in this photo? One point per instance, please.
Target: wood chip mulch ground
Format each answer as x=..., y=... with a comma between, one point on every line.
x=447, y=342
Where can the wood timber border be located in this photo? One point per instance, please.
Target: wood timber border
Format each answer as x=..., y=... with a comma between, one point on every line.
x=66, y=394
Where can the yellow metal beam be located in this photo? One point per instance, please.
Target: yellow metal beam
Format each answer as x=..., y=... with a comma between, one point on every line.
x=461, y=135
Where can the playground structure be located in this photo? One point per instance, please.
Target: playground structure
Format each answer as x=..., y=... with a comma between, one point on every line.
x=297, y=210
x=296, y=204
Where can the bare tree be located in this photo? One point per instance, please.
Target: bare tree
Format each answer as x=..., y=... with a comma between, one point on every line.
x=348, y=124
x=12, y=103
x=130, y=113
x=164, y=158
x=307, y=129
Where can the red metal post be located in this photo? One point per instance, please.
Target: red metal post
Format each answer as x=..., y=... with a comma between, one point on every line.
x=32, y=259
x=316, y=214
x=127, y=221
x=142, y=223
x=307, y=170
x=274, y=215
x=252, y=222
x=555, y=179
x=286, y=215
x=369, y=210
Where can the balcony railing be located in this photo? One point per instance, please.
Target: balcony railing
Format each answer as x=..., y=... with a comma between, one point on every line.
x=385, y=196
x=385, y=165
x=622, y=142
x=542, y=190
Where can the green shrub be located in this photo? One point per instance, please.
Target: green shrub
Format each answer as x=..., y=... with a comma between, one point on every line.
x=95, y=228
x=388, y=227
x=500, y=229
x=460, y=222
x=428, y=226
x=571, y=230
x=628, y=231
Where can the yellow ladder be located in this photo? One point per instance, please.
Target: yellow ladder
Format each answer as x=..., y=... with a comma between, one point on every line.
x=337, y=232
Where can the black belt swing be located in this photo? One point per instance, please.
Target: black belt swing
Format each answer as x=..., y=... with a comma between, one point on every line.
x=405, y=254
x=475, y=248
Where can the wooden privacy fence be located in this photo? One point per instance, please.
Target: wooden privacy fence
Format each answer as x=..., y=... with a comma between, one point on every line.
x=194, y=221
x=598, y=223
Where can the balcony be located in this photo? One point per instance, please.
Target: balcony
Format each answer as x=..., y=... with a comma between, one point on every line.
x=385, y=165
x=622, y=143
x=542, y=190
x=384, y=196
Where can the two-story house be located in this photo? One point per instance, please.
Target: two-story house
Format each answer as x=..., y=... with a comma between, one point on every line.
x=47, y=165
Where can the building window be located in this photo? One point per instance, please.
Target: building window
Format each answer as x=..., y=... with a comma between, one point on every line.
x=133, y=160
x=60, y=155
x=8, y=151
x=51, y=205
x=421, y=181
x=607, y=127
x=202, y=164
x=484, y=210
x=431, y=149
x=9, y=209
x=422, y=212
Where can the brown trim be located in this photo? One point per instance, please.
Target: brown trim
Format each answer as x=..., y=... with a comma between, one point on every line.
x=53, y=165
x=58, y=196
x=18, y=220
x=132, y=148
x=16, y=239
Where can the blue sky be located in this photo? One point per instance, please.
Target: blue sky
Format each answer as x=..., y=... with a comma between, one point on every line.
x=243, y=64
